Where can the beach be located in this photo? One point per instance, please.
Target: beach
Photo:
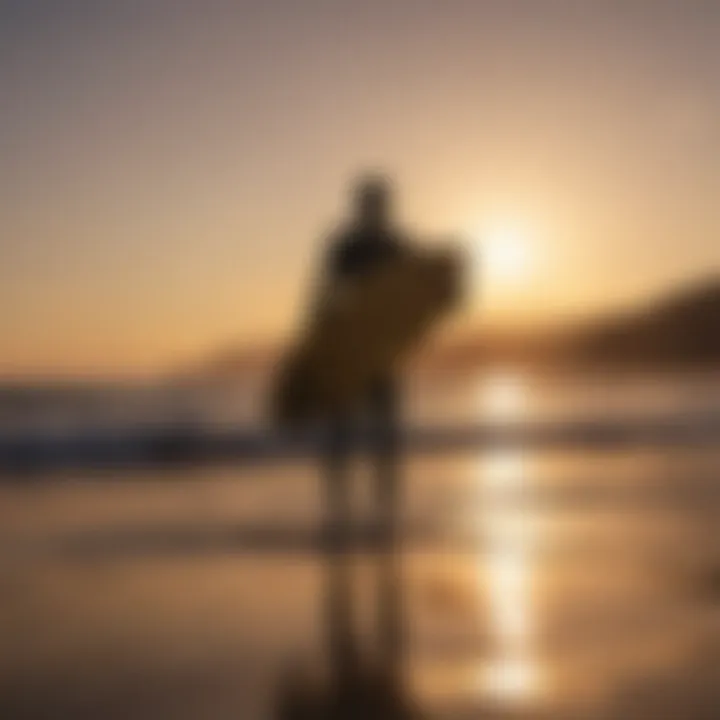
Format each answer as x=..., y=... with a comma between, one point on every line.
x=570, y=582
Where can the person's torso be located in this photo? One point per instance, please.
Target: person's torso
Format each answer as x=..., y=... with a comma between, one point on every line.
x=358, y=251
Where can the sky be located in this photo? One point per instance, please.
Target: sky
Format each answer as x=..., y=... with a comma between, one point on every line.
x=169, y=168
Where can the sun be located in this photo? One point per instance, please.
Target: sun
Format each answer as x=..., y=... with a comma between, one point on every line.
x=503, y=254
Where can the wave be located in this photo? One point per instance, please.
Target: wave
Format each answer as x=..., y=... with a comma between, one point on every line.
x=141, y=446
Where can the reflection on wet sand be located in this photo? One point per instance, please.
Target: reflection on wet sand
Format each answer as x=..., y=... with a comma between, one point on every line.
x=358, y=681
x=511, y=674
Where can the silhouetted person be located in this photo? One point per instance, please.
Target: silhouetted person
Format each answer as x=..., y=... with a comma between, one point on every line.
x=362, y=682
x=368, y=241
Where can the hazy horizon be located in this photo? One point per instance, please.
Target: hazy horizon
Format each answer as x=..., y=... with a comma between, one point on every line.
x=171, y=167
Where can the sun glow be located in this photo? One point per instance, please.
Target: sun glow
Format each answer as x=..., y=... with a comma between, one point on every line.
x=503, y=254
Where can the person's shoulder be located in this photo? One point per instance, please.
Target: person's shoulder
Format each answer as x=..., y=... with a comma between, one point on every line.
x=342, y=240
x=340, y=235
x=339, y=244
x=401, y=240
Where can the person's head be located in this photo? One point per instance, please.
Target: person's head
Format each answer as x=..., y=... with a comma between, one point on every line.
x=372, y=200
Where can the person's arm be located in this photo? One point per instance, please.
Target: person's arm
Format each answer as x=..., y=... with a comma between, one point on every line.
x=332, y=280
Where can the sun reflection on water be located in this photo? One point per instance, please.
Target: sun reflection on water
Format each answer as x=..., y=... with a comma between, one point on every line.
x=511, y=673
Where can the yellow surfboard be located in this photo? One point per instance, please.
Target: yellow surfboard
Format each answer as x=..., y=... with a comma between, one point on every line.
x=365, y=331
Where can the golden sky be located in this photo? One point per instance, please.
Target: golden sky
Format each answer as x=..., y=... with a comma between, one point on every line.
x=170, y=166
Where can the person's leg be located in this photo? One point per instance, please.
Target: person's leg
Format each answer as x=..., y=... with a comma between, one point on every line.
x=337, y=476
x=341, y=641
x=386, y=455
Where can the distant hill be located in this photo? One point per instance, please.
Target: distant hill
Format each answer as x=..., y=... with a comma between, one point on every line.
x=683, y=328
x=680, y=329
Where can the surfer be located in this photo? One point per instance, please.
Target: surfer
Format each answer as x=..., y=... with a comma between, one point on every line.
x=368, y=240
x=359, y=684
x=344, y=373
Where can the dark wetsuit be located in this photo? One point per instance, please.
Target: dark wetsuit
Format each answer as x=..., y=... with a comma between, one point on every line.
x=357, y=251
x=353, y=253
